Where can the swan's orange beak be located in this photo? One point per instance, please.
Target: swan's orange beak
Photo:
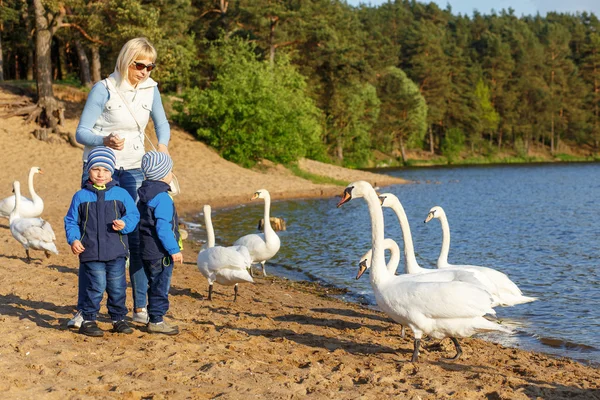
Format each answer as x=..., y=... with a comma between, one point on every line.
x=429, y=217
x=40, y=171
x=346, y=197
x=254, y=196
x=362, y=267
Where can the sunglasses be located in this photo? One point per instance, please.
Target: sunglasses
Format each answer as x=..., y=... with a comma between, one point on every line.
x=140, y=66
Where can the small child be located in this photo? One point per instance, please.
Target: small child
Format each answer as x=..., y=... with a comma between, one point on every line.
x=160, y=244
x=97, y=223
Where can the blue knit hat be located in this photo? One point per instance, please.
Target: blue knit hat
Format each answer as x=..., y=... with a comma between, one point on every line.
x=156, y=165
x=101, y=157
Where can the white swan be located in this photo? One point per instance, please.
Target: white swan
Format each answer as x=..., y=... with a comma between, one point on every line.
x=394, y=261
x=32, y=233
x=262, y=246
x=390, y=200
x=438, y=309
x=30, y=208
x=503, y=289
x=225, y=265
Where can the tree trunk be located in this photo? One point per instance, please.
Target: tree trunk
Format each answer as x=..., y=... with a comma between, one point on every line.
x=1, y=63
x=272, y=41
x=30, y=58
x=84, y=65
x=96, y=66
x=339, y=148
x=30, y=36
x=499, y=138
x=431, y=144
x=552, y=150
x=402, y=150
x=50, y=108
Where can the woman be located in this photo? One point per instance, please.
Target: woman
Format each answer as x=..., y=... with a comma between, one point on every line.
x=115, y=115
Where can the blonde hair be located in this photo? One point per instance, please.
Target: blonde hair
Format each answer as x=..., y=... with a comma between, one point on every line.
x=135, y=48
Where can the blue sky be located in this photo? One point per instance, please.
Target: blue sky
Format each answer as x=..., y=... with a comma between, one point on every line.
x=527, y=7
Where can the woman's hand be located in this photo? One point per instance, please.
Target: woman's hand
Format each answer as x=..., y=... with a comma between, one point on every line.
x=114, y=141
x=163, y=149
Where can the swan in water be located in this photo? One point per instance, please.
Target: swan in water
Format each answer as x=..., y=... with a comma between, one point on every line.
x=502, y=288
x=262, y=246
x=390, y=200
x=32, y=233
x=30, y=208
x=438, y=309
x=225, y=265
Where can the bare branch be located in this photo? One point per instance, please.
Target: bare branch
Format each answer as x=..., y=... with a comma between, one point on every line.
x=210, y=11
x=83, y=33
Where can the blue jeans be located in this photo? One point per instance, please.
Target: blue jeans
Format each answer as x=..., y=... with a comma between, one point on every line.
x=106, y=276
x=159, y=274
x=129, y=180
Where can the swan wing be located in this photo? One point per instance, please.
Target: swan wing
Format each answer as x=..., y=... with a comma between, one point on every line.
x=229, y=276
x=443, y=299
x=218, y=257
x=31, y=232
x=26, y=209
x=507, y=292
x=252, y=241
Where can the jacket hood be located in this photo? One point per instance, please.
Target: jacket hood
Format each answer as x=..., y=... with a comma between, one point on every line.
x=124, y=86
x=149, y=189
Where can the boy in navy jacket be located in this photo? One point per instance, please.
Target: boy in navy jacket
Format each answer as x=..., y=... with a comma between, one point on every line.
x=97, y=223
x=160, y=244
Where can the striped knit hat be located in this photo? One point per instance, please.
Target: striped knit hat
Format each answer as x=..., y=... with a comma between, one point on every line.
x=156, y=165
x=101, y=157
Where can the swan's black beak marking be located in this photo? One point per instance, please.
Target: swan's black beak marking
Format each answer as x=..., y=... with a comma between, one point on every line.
x=381, y=199
x=429, y=216
x=346, y=196
x=362, y=267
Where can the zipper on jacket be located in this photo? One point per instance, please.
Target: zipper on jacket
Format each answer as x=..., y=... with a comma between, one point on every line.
x=87, y=211
x=117, y=217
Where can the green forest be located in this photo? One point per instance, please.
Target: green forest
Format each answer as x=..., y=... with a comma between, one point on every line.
x=284, y=79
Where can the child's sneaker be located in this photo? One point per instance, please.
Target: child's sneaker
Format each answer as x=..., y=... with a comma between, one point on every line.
x=90, y=328
x=76, y=321
x=163, y=327
x=141, y=317
x=122, y=327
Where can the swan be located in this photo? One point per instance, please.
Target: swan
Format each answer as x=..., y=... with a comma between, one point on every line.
x=392, y=265
x=390, y=200
x=502, y=288
x=225, y=265
x=394, y=261
x=30, y=208
x=262, y=246
x=32, y=233
x=438, y=309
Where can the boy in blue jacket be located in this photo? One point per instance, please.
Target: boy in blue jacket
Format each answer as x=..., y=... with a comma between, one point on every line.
x=97, y=223
x=160, y=244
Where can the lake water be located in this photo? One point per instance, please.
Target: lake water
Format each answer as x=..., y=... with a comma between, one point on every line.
x=536, y=223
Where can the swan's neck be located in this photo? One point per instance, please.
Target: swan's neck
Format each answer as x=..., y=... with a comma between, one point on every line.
x=379, y=272
x=267, y=225
x=394, y=261
x=30, y=184
x=210, y=232
x=15, y=212
x=443, y=258
x=412, y=267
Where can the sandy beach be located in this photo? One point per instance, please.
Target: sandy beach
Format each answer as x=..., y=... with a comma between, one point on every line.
x=280, y=340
